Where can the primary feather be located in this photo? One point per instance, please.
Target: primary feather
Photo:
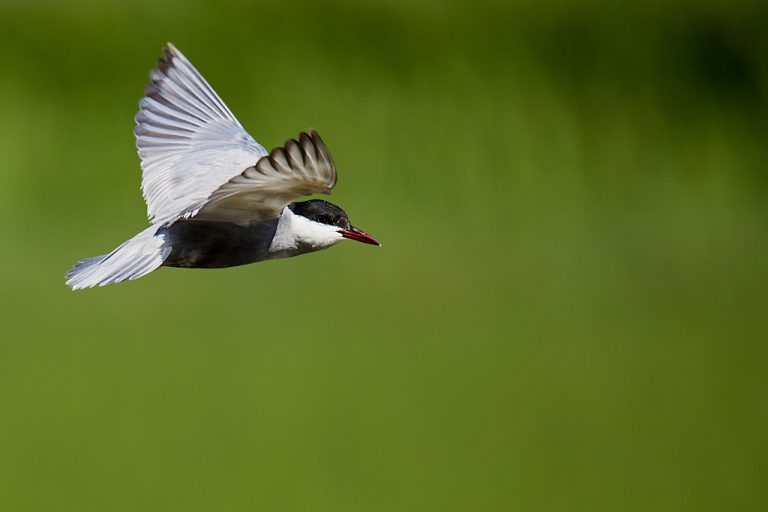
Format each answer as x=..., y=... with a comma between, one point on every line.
x=189, y=142
x=299, y=168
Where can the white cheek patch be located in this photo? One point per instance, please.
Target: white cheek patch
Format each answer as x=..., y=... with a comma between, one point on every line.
x=295, y=230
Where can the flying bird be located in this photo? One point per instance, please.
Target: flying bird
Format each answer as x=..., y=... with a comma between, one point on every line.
x=215, y=197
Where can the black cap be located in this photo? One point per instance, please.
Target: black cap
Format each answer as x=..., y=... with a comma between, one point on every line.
x=322, y=212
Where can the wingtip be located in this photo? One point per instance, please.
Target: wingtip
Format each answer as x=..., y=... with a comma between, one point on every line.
x=323, y=149
x=316, y=138
x=169, y=53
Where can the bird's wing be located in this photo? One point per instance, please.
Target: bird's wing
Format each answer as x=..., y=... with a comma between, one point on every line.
x=189, y=142
x=300, y=168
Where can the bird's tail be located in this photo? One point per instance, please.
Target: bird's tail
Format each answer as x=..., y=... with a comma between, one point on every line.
x=135, y=258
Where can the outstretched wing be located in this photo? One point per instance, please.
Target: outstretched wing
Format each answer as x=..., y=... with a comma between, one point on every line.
x=300, y=168
x=189, y=142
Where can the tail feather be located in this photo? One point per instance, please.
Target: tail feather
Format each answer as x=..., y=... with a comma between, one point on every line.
x=135, y=258
x=84, y=265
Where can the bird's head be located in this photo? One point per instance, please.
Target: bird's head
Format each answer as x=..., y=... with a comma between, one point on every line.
x=328, y=223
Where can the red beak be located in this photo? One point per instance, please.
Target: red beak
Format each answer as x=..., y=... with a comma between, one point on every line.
x=359, y=235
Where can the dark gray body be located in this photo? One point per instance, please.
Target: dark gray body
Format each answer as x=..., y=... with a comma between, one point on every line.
x=209, y=244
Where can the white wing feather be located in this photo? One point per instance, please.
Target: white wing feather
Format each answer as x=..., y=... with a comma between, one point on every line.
x=189, y=142
x=197, y=159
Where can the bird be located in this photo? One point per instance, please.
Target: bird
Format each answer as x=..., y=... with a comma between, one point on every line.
x=215, y=197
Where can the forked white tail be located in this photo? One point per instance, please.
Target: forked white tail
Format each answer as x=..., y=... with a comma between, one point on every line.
x=135, y=258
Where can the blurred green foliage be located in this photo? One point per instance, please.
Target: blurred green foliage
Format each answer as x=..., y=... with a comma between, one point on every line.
x=568, y=312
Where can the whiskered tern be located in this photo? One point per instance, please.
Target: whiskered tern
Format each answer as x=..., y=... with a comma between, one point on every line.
x=215, y=197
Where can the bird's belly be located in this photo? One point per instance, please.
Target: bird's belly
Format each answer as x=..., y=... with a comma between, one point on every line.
x=209, y=244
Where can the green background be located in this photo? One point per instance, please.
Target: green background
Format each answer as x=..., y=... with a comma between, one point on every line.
x=569, y=310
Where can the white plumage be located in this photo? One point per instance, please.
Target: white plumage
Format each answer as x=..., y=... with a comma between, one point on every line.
x=135, y=258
